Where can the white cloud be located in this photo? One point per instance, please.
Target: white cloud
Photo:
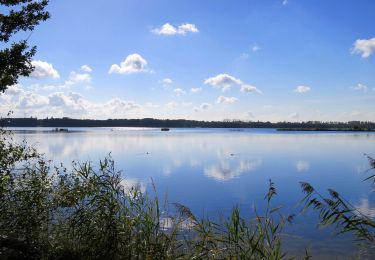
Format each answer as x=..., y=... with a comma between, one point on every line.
x=43, y=69
x=86, y=68
x=195, y=90
x=169, y=30
x=285, y=2
x=15, y=90
x=166, y=29
x=203, y=106
x=302, y=89
x=75, y=78
x=246, y=88
x=171, y=105
x=226, y=100
x=179, y=91
x=225, y=82
x=186, y=28
x=364, y=47
x=361, y=87
x=132, y=64
x=59, y=104
x=32, y=100
x=166, y=81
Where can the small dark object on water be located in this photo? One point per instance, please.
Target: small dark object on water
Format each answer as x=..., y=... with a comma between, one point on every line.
x=60, y=130
x=164, y=129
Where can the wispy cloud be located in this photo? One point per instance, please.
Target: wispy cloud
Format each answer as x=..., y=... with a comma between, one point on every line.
x=361, y=87
x=226, y=100
x=86, y=68
x=179, y=91
x=195, y=90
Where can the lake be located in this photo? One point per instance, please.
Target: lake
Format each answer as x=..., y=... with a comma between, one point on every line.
x=211, y=170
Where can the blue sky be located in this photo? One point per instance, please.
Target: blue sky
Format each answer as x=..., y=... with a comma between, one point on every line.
x=263, y=60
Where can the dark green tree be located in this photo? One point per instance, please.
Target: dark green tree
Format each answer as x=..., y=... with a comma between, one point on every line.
x=16, y=16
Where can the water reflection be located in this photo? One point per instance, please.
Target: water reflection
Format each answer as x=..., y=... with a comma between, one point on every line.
x=302, y=166
x=364, y=207
x=226, y=170
x=211, y=170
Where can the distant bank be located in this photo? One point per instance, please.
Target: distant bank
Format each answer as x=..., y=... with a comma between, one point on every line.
x=182, y=123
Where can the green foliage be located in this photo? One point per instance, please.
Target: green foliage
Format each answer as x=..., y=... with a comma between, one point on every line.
x=22, y=15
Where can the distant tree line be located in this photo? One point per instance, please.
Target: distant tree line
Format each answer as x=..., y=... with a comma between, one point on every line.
x=182, y=123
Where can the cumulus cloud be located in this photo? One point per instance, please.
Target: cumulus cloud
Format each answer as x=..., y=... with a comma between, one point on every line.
x=179, y=91
x=201, y=107
x=195, y=90
x=364, y=47
x=225, y=82
x=246, y=88
x=133, y=63
x=33, y=100
x=166, y=81
x=43, y=69
x=75, y=78
x=302, y=89
x=60, y=104
x=169, y=29
x=361, y=87
x=86, y=68
x=226, y=100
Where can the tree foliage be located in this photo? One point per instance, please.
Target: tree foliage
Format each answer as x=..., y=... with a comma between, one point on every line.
x=16, y=16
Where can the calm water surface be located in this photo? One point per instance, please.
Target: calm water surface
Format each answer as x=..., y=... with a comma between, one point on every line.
x=210, y=170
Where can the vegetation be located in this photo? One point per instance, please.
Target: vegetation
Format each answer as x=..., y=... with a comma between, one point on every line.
x=15, y=16
x=49, y=212
x=151, y=122
x=86, y=213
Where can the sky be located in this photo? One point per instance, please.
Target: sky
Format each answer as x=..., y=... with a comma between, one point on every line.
x=267, y=60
